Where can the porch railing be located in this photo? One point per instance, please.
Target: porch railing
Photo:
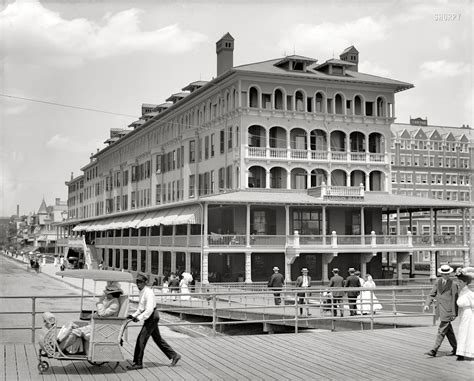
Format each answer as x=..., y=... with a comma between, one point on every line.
x=292, y=240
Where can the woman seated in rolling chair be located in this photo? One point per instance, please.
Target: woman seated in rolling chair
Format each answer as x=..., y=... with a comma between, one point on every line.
x=70, y=337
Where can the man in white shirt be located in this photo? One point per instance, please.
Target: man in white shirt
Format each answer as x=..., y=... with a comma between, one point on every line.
x=303, y=281
x=148, y=313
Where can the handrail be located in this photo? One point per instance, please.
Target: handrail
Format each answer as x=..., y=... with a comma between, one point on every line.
x=223, y=302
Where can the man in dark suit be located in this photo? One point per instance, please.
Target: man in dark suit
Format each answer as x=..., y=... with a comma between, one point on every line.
x=352, y=281
x=276, y=283
x=444, y=292
x=337, y=281
x=303, y=281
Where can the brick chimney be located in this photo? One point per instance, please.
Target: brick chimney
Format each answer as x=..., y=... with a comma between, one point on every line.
x=225, y=54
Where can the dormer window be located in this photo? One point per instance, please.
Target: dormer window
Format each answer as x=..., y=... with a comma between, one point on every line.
x=337, y=70
x=297, y=65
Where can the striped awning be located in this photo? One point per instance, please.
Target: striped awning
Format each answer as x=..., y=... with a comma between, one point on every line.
x=81, y=227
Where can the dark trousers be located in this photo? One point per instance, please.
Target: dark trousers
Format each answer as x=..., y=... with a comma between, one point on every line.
x=303, y=299
x=352, y=301
x=337, y=305
x=445, y=329
x=277, y=296
x=150, y=328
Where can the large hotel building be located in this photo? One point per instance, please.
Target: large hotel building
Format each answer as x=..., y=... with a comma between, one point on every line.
x=287, y=162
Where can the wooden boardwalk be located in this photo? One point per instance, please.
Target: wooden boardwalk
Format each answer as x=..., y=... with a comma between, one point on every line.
x=384, y=354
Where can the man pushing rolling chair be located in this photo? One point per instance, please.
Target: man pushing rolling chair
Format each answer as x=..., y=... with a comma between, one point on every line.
x=148, y=313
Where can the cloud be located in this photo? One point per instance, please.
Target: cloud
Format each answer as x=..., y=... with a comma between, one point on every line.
x=373, y=69
x=328, y=35
x=58, y=141
x=34, y=32
x=444, y=69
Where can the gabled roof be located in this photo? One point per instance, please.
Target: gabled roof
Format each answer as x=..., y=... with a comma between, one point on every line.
x=405, y=134
x=435, y=135
x=295, y=57
x=334, y=61
x=194, y=85
x=227, y=36
x=137, y=123
x=450, y=137
x=176, y=97
x=420, y=134
x=43, y=208
x=350, y=49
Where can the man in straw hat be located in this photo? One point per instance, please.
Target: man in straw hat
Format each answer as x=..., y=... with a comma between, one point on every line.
x=276, y=283
x=303, y=281
x=444, y=292
x=352, y=281
x=148, y=313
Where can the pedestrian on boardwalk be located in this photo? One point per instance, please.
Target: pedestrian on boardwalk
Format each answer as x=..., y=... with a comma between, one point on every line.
x=337, y=281
x=465, y=302
x=303, y=281
x=444, y=292
x=276, y=283
x=148, y=313
x=173, y=284
x=352, y=281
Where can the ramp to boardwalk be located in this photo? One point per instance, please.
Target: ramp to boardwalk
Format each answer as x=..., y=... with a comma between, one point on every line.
x=389, y=354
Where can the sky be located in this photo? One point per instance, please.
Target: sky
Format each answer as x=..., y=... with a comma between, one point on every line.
x=112, y=56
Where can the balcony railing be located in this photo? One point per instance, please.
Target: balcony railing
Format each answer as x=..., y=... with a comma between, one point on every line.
x=304, y=154
x=333, y=241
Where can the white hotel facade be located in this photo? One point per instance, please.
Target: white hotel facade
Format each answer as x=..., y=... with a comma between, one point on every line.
x=283, y=163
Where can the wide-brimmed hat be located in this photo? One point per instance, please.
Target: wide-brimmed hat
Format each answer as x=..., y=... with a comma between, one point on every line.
x=276, y=269
x=445, y=269
x=142, y=277
x=304, y=269
x=351, y=270
x=111, y=289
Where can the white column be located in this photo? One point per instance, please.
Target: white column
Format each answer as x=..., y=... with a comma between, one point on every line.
x=188, y=262
x=160, y=263
x=324, y=228
x=173, y=261
x=398, y=221
x=267, y=179
x=205, y=268
x=288, y=179
x=247, y=224
x=431, y=228
x=308, y=179
x=248, y=267
x=205, y=237
x=362, y=226
x=433, y=265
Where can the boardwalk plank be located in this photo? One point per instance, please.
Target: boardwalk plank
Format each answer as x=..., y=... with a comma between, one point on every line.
x=21, y=362
x=11, y=372
x=2, y=362
x=390, y=354
x=32, y=362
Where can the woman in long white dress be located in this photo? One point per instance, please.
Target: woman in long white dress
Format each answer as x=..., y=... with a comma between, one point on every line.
x=183, y=285
x=365, y=299
x=465, y=302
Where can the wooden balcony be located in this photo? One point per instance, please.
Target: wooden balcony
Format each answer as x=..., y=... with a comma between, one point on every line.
x=311, y=243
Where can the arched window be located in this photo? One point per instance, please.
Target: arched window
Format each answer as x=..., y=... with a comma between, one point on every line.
x=278, y=100
x=253, y=97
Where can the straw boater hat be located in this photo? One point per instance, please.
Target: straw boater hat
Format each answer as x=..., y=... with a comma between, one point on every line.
x=445, y=269
x=142, y=277
x=111, y=289
x=336, y=270
x=351, y=270
x=276, y=269
x=304, y=269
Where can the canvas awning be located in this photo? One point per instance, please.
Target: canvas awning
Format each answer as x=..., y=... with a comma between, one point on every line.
x=81, y=227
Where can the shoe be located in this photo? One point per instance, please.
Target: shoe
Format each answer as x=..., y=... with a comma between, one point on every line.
x=135, y=366
x=175, y=360
x=431, y=353
x=452, y=353
x=460, y=358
